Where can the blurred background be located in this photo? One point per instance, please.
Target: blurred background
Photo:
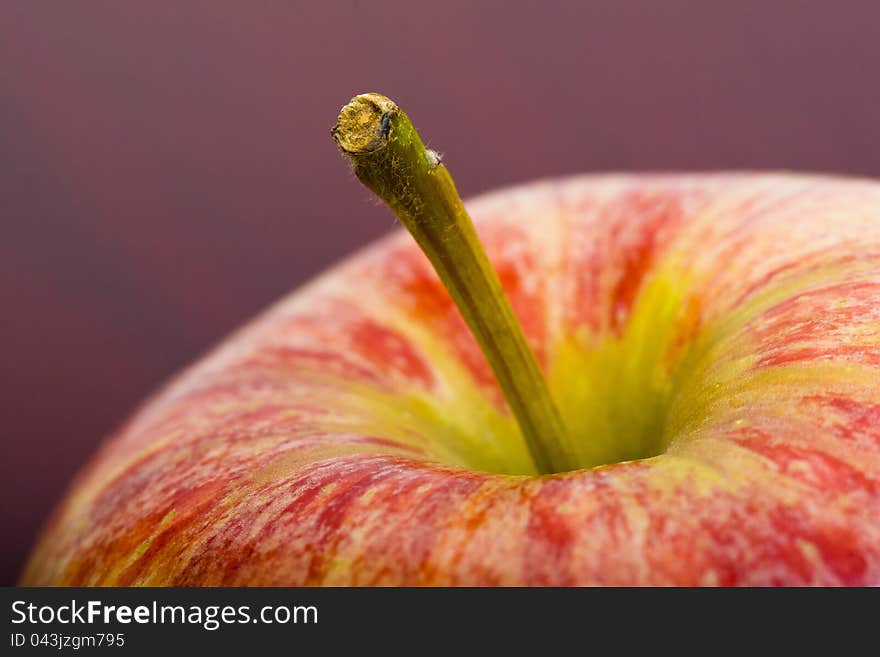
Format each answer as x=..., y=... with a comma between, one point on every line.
x=166, y=169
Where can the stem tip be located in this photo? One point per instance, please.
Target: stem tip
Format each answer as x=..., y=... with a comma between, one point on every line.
x=364, y=124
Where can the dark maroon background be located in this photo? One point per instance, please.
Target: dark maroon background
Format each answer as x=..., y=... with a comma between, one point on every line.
x=166, y=169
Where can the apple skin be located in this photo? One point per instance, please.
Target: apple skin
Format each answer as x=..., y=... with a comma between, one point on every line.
x=353, y=434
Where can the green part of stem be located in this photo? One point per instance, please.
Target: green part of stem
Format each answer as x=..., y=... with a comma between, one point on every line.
x=390, y=159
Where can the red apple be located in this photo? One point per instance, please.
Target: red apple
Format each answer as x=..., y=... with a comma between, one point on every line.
x=712, y=342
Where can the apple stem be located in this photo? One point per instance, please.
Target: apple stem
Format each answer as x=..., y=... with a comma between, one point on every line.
x=390, y=159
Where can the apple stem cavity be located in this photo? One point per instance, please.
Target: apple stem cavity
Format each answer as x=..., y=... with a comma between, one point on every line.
x=389, y=158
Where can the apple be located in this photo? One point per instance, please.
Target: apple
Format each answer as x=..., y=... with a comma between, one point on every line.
x=711, y=343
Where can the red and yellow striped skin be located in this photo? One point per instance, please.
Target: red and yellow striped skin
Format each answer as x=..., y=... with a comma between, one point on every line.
x=353, y=434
